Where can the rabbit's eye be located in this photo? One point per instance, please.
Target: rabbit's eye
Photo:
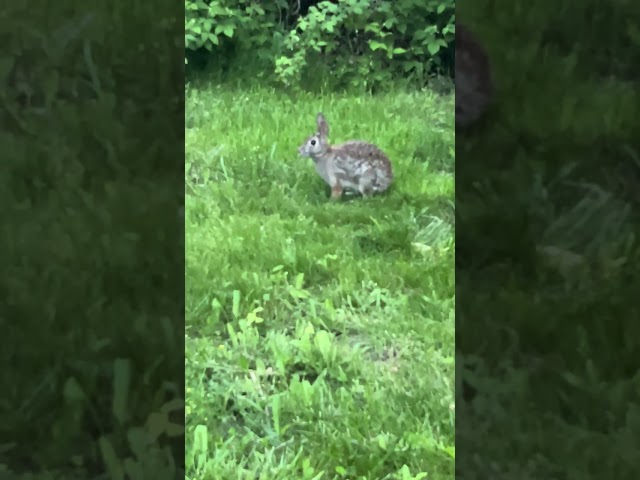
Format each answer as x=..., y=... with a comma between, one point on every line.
x=313, y=142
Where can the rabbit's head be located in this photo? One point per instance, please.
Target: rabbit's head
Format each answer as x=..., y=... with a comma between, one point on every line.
x=317, y=144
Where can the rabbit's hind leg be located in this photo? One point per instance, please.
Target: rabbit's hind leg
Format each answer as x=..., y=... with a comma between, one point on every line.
x=365, y=185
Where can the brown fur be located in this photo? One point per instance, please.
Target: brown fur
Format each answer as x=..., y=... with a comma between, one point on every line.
x=355, y=164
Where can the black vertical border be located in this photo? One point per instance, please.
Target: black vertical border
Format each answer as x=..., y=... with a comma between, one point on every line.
x=92, y=307
x=547, y=338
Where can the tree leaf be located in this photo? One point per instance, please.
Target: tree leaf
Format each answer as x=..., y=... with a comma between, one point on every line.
x=375, y=45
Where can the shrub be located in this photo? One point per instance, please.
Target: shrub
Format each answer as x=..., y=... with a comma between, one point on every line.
x=352, y=42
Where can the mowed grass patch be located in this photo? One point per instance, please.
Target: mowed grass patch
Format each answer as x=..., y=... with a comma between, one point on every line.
x=319, y=335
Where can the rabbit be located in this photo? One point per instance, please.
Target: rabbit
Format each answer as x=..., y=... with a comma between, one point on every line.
x=353, y=165
x=474, y=87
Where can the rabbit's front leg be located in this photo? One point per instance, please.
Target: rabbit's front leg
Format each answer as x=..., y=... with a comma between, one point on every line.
x=336, y=191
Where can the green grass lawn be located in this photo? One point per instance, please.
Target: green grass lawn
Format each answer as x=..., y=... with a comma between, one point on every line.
x=319, y=335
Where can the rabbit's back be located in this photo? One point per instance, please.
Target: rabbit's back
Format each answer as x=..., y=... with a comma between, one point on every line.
x=359, y=164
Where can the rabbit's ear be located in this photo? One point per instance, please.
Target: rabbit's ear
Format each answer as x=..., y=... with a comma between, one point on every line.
x=323, y=126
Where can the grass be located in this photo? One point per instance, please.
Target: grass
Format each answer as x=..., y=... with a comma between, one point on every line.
x=319, y=335
x=547, y=250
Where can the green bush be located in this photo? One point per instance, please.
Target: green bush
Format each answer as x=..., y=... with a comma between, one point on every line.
x=353, y=42
x=220, y=25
